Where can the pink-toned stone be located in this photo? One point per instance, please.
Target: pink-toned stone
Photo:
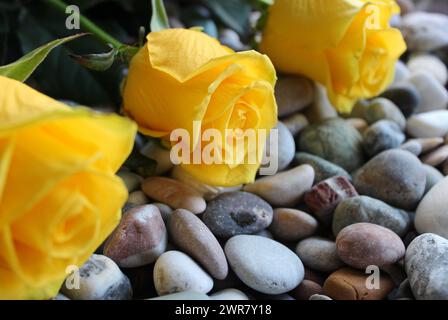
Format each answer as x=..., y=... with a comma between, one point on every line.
x=139, y=239
x=323, y=198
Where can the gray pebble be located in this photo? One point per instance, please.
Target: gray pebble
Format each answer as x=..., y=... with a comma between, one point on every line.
x=382, y=135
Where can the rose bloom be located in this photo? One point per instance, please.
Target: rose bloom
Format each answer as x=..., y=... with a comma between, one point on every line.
x=181, y=76
x=347, y=45
x=59, y=196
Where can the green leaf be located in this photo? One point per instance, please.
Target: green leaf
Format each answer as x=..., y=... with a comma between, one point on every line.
x=21, y=69
x=159, y=19
x=233, y=13
x=97, y=62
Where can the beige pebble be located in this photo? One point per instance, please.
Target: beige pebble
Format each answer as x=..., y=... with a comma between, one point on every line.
x=436, y=157
x=358, y=123
x=173, y=193
x=429, y=144
x=292, y=224
x=137, y=198
x=296, y=123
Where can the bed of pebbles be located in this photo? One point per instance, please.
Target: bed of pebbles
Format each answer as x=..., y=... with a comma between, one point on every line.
x=354, y=191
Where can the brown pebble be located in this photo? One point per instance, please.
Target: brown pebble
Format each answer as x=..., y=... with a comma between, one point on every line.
x=174, y=193
x=314, y=276
x=324, y=197
x=436, y=157
x=350, y=284
x=363, y=244
x=429, y=144
x=292, y=224
x=306, y=289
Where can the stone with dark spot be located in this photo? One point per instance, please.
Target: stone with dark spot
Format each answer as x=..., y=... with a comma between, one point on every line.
x=426, y=265
x=323, y=198
x=235, y=213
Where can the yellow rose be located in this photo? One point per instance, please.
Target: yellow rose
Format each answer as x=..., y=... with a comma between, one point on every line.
x=347, y=45
x=59, y=196
x=181, y=76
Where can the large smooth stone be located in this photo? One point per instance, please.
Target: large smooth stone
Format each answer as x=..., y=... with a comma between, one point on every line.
x=139, y=239
x=363, y=244
x=428, y=125
x=334, y=140
x=174, y=271
x=99, y=279
x=174, y=193
x=191, y=235
x=285, y=188
x=293, y=94
x=432, y=212
x=426, y=264
x=263, y=264
x=394, y=176
x=236, y=213
x=319, y=254
x=433, y=95
x=323, y=169
x=366, y=209
x=425, y=31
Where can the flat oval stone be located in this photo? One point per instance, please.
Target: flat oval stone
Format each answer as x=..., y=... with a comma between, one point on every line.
x=292, y=224
x=350, y=284
x=382, y=135
x=363, y=244
x=139, y=238
x=100, y=279
x=174, y=271
x=173, y=193
x=426, y=264
x=263, y=264
x=432, y=212
x=191, y=235
x=394, y=176
x=284, y=189
x=236, y=213
x=366, y=209
x=319, y=254
x=334, y=140
x=323, y=169
x=428, y=125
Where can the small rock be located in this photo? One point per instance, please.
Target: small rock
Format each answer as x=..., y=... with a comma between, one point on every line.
x=323, y=198
x=426, y=263
x=429, y=124
x=131, y=180
x=293, y=93
x=320, y=297
x=431, y=64
x=429, y=144
x=405, y=96
x=100, y=279
x=433, y=176
x=306, y=289
x=285, y=188
x=153, y=150
x=139, y=238
x=296, y=123
x=319, y=254
x=363, y=244
x=436, y=157
x=292, y=224
x=432, y=212
x=366, y=209
x=174, y=271
x=384, y=109
x=433, y=95
x=323, y=169
x=382, y=135
x=236, y=213
x=394, y=176
x=137, y=198
x=334, y=140
x=185, y=296
x=350, y=284
x=413, y=147
x=191, y=235
x=425, y=31
x=285, y=148
x=229, y=294
x=263, y=264
x=173, y=193
x=358, y=123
